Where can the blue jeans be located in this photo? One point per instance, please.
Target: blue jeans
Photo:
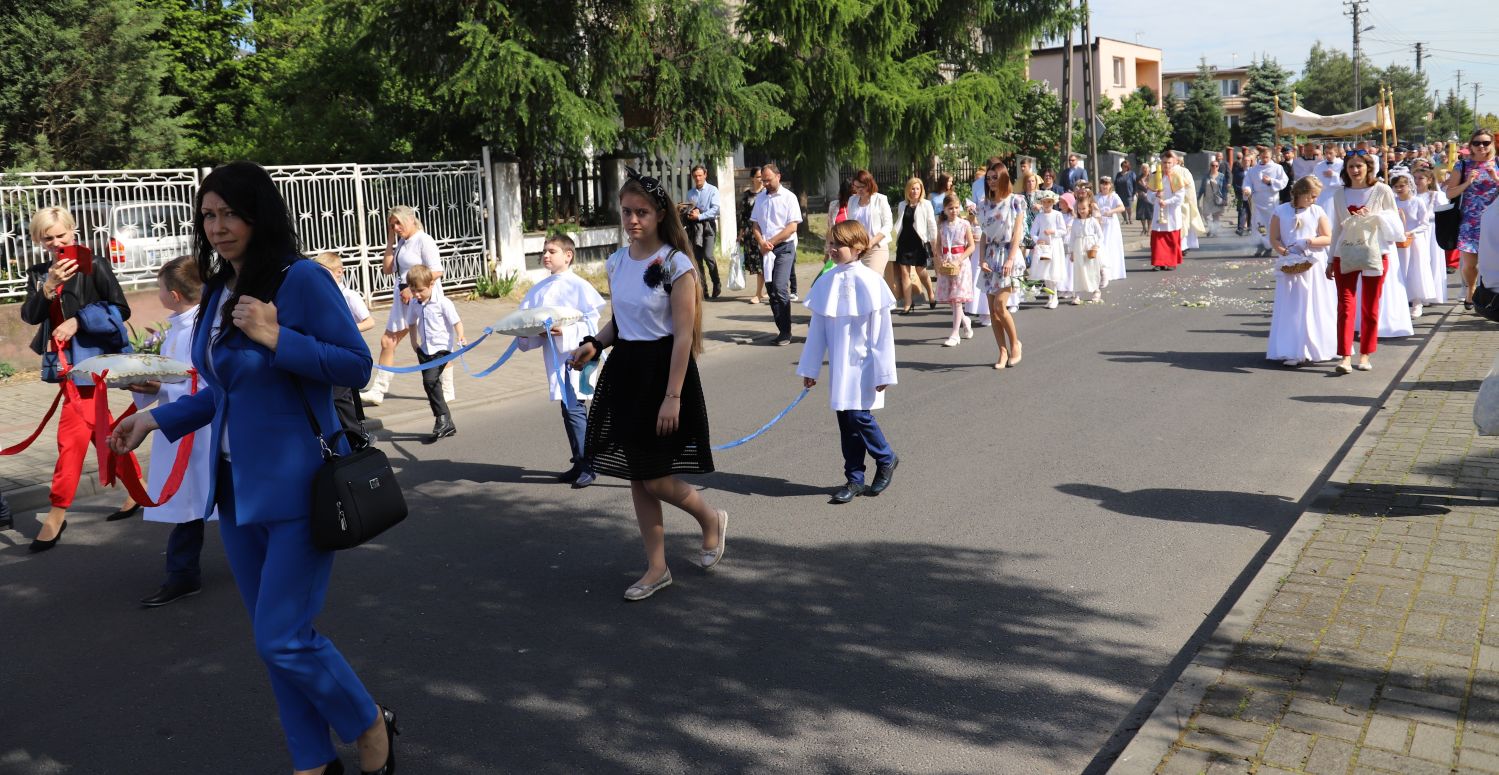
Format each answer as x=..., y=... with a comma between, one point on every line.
x=184, y=547
x=575, y=421
x=778, y=288
x=859, y=433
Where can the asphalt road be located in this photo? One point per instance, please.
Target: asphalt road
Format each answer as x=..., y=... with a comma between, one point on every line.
x=1056, y=534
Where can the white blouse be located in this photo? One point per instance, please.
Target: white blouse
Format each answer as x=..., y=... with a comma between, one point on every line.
x=419, y=248
x=641, y=294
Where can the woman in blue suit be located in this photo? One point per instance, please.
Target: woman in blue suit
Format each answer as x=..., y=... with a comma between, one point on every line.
x=272, y=325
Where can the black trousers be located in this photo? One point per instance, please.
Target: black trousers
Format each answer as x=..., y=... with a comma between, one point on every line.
x=432, y=383
x=707, y=267
x=350, y=412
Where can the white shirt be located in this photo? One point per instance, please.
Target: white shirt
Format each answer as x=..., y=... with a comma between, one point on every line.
x=356, y=305
x=1265, y=194
x=188, y=503
x=875, y=217
x=979, y=191
x=850, y=327
x=432, y=323
x=773, y=212
x=642, y=312
x=419, y=248
x=1301, y=167
x=563, y=289
x=1171, y=202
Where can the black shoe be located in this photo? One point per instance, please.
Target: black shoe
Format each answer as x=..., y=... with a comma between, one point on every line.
x=171, y=593
x=1451, y=270
x=931, y=305
x=335, y=767
x=1468, y=305
x=882, y=477
x=7, y=522
x=787, y=340
x=570, y=475
x=584, y=479
x=38, y=545
x=441, y=430
x=849, y=492
x=391, y=730
x=123, y=514
x=717, y=291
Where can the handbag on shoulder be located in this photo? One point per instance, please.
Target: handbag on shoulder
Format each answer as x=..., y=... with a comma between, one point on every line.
x=355, y=497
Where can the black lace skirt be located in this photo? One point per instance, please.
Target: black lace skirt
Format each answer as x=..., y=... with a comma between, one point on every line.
x=622, y=440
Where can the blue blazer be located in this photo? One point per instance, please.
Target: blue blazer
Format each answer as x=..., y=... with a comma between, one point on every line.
x=250, y=394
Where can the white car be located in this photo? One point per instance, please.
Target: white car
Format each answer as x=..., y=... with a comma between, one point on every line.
x=138, y=237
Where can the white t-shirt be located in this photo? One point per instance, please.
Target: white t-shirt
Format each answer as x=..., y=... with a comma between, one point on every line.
x=432, y=323
x=355, y=303
x=642, y=307
x=773, y=211
x=419, y=248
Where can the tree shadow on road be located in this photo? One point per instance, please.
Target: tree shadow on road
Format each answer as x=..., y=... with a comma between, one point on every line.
x=1267, y=513
x=1234, y=362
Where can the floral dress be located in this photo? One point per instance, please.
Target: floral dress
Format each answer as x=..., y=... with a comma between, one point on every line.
x=958, y=288
x=997, y=220
x=1476, y=199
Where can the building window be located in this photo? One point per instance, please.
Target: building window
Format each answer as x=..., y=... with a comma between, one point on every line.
x=1228, y=87
x=1179, y=89
x=1233, y=121
x=1119, y=71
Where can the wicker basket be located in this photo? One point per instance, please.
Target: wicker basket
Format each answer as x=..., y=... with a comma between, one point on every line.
x=1092, y=252
x=1403, y=244
x=1295, y=268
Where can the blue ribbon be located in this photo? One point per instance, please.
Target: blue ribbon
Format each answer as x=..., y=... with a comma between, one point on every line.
x=509, y=351
x=766, y=426
x=435, y=362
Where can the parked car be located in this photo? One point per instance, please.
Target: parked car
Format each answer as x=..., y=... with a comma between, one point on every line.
x=138, y=237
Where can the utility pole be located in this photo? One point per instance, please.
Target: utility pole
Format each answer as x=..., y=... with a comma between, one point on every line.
x=1090, y=107
x=1066, y=97
x=1459, y=82
x=1418, y=57
x=1475, y=105
x=1355, y=9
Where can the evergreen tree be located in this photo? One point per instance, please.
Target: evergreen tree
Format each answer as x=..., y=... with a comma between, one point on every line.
x=80, y=87
x=201, y=38
x=1199, y=124
x=1452, y=117
x=1137, y=127
x=1267, y=80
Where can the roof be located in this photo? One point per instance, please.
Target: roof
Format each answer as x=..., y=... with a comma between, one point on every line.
x=1058, y=49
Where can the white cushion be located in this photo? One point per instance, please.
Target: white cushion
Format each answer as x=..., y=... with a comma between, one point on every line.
x=135, y=368
x=530, y=322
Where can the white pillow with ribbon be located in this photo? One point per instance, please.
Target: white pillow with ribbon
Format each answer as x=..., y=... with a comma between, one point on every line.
x=127, y=369
x=532, y=322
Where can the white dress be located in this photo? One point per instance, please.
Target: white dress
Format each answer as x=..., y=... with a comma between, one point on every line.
x=1438, y=258
x=1049, y=258
x=850, y=327
x=1304, y=318
x=1394, y=303
x=563, y=289
x=1420, y=285
x=979, y=304
x=1113, y=239
x=1086, y=233
x=187, y=504
x=419, y=248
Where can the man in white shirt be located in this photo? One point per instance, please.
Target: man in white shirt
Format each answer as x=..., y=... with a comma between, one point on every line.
x=775, y=218
x=1305, y=163
x=1262, y=185
x=978, y=190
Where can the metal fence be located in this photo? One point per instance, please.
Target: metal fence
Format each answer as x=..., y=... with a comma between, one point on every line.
x=558, y=190
x=143, y=218
x=674, y=170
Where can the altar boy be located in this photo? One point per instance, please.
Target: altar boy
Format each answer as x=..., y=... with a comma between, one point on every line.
x=850, y=326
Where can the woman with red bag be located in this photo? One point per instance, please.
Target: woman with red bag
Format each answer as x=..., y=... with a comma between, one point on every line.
x=55, y=294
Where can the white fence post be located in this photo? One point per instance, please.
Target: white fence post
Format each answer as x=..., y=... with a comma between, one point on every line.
x=728, y=206
x=614, y=177
x=509, y=219
x=491, y=235
x=366, y=280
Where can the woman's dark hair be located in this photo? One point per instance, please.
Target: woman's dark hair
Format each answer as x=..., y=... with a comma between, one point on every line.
x=845, y=192
x=248, y=190
x=670, y=231
x=1370, y=177
x=1001, y=187
x=866, y=179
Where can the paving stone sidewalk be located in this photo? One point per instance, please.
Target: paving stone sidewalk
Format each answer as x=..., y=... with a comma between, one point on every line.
x=1376, y=648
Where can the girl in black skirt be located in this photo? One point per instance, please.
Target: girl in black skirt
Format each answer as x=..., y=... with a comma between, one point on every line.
x=648, y=421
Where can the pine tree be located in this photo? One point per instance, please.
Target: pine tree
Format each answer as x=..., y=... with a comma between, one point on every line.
x=1267, y=79
x=1199, y=123
x=80, y=87
x=200, y=37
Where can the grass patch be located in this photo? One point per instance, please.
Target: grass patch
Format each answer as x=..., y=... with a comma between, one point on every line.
x=6, y=370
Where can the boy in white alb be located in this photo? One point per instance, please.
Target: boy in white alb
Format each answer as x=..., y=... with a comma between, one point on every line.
x=565, y=289
x=435, y=327
x=850, y=327
x=350, y=410
x=1262, y=185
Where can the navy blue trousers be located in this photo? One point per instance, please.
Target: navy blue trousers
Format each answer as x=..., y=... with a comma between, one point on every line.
x=860, y=434
x=284, y=580
x=184, y=547
x=575, y=420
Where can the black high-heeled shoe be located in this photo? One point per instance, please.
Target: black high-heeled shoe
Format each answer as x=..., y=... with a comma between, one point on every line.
x=391, y=730
x=38, y=545
x=335, y=767
x=123, y=514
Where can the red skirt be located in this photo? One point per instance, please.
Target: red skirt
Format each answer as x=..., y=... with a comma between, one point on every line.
x=1165, y=248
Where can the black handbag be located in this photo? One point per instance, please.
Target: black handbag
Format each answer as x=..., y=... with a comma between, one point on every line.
x=1447, y=223
x=355, y=497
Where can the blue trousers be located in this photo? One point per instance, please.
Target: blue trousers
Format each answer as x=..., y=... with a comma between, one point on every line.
x=575, y=420
x=283, y=581
x=184, y=547
x=777, y=287
x=859, y=433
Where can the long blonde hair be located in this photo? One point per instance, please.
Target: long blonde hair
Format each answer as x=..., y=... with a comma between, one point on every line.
x=919, y=185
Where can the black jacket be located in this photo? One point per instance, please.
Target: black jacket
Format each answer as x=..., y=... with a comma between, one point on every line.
x=77, y=293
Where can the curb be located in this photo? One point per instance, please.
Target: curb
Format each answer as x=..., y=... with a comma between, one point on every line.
x=1161, y=730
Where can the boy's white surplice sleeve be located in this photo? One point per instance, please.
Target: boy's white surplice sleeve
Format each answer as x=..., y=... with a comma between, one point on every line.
x=815, y=348
x=883, y=348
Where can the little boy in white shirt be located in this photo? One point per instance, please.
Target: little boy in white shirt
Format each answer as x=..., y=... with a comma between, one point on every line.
x=435, y=327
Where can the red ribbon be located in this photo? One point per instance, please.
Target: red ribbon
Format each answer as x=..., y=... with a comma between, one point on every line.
x=112, y=467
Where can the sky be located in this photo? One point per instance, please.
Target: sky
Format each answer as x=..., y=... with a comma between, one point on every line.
x=1185, y=34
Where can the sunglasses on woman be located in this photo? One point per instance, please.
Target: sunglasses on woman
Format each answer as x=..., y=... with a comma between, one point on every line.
x=1480, y=143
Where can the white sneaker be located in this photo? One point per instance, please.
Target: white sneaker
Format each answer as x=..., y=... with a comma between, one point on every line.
x=795, y=297
x=951, y=341
x=1076, y=300
x=1051, y=301
x=371, y=398
x=1416, y=311
x=1097, y=298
